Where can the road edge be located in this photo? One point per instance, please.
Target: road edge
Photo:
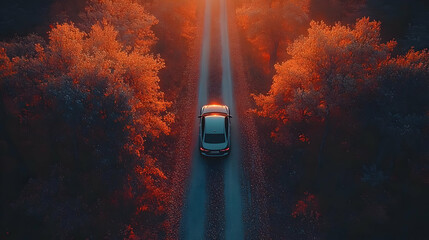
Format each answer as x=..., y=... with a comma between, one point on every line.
x=184, y=147
x=255, y=212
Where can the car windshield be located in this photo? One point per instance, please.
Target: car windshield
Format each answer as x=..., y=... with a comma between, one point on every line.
x=214, y=138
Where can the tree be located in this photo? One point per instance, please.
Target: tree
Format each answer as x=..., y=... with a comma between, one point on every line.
x=329, y=68
x=129, y=18
x=93, y=91
x=270, y=25
x=400, y=104
x=5, y=64
x=177, y=27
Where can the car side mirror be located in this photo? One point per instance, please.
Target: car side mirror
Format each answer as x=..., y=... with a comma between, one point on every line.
x=199, y=116
x=230, y=116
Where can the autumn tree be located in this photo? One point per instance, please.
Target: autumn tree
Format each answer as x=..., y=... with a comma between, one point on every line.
x=5, y=64
x=177, y=27
x=270, y=25
x=133, y=23
x=90, y=98
x=350, y=115
x=330, y=69
x=177, y=20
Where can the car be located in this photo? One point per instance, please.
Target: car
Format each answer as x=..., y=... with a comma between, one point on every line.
x=215, y=130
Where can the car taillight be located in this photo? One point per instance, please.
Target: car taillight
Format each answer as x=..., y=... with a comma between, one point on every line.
x=224, y=150
x=203, y=149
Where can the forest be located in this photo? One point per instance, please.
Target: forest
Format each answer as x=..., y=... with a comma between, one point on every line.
x=91, y=95
x=81, y=109
x=343, y=87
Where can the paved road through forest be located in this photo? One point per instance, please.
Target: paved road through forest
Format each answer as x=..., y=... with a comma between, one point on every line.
x=196, y=218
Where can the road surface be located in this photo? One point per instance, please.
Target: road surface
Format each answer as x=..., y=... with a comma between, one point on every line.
x=209, y=212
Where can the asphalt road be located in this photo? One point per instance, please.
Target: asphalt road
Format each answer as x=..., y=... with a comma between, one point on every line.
x=213, y=206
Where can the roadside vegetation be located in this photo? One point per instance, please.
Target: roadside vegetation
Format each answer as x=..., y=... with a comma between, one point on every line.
x=90, y=115
x=347, y=109
x=84, y=109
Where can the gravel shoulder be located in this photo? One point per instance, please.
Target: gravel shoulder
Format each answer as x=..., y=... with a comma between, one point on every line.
x=186, y=103
x=253, y=182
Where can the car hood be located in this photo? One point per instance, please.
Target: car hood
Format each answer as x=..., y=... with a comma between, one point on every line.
x=214, y=146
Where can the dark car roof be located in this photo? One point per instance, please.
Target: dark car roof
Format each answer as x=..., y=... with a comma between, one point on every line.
x=215, y=124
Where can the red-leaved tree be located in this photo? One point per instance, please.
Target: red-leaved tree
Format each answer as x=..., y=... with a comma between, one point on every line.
x=331, y=70
x=271, y=25
x=94, y=87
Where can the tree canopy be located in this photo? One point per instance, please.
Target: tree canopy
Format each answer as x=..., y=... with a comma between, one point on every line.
x=93, y=91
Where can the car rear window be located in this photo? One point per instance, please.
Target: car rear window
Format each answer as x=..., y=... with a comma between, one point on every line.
x=214, y=138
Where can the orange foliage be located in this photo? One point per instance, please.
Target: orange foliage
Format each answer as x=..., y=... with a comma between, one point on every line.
x=271, y=25
x=6, y=66
x=99, y=53
x=327, y=69
x=188, y=13
x=129, y=18
x=178, y=19
x=113, y=45
x=413, y=60
x=149, y=176
x=178, y=16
